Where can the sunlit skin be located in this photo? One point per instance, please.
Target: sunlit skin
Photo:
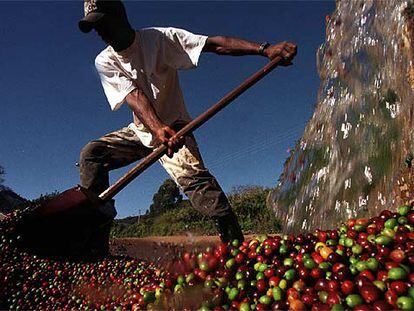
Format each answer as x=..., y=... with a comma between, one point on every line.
x=118, y=33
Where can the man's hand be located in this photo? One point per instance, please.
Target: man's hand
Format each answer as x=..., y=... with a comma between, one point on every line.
x=166, y=135
x=286, y=50
x=144, y=111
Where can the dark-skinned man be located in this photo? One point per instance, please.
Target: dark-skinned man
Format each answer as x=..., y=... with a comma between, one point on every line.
x=140, y=68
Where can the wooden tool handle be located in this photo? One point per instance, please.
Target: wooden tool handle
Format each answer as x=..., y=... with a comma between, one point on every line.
x=189, y=128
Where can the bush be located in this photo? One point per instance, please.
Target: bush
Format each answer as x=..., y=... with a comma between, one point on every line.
x=248, y=202
x=45, y=197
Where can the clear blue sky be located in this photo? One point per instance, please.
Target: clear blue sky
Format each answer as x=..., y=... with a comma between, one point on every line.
x=52, y=102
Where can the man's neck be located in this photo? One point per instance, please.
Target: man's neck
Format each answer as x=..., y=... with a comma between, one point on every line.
x=126, y=42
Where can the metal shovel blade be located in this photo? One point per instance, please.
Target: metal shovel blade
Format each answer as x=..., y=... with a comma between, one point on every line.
x=71, y=224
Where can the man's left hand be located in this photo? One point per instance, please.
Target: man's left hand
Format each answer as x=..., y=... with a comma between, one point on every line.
x=286, y=50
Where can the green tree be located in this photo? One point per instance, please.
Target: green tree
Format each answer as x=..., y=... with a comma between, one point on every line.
x=167, y=197
x=249, y=203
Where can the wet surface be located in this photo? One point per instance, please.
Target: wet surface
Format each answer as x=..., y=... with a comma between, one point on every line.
x=163, y=249
x=354, y=148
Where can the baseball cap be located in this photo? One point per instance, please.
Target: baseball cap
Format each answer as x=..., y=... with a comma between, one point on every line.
x=97, y=9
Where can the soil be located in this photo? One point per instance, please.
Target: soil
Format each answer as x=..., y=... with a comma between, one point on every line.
x=162, y=249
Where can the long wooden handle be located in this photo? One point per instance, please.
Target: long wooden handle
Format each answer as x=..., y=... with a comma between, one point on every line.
x=189, y=128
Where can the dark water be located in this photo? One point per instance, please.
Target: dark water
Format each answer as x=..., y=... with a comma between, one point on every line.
x=354, y=148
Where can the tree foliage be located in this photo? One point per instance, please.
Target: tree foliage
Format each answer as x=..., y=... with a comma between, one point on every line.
x=248, y=202
x=166, y=198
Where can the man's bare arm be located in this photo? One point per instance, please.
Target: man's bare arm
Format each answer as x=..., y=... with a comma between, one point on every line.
x=238, y=47
x=231, y=46
x=143, y=110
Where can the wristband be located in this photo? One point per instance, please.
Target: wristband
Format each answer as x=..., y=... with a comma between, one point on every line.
x=263, y=47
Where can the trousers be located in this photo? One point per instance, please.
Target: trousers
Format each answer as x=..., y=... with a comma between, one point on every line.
x=186, y=168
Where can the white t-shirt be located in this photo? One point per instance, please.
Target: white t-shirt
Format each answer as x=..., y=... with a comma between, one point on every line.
x=150, y=64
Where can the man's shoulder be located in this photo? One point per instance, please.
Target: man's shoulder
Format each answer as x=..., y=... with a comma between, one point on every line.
x=152, y=32
x=161, y=31
x=104, y=57
x=154, y=29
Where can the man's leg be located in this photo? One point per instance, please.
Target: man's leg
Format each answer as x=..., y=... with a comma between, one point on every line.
x=97, y=158
x=188, y=171
x=112, y=151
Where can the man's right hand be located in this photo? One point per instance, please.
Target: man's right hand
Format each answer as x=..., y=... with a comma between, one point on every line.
x=144, y=112
x=167, y=136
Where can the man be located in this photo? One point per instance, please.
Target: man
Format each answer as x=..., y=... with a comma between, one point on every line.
x=140, y=68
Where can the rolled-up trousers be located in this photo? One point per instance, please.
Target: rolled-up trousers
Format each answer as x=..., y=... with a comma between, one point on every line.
x=186, y=168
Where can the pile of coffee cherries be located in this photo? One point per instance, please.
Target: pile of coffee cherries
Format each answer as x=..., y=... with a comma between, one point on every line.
x=29, y=282
x=365, y=264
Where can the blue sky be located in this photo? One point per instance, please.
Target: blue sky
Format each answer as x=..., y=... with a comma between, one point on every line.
x=52, y=102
